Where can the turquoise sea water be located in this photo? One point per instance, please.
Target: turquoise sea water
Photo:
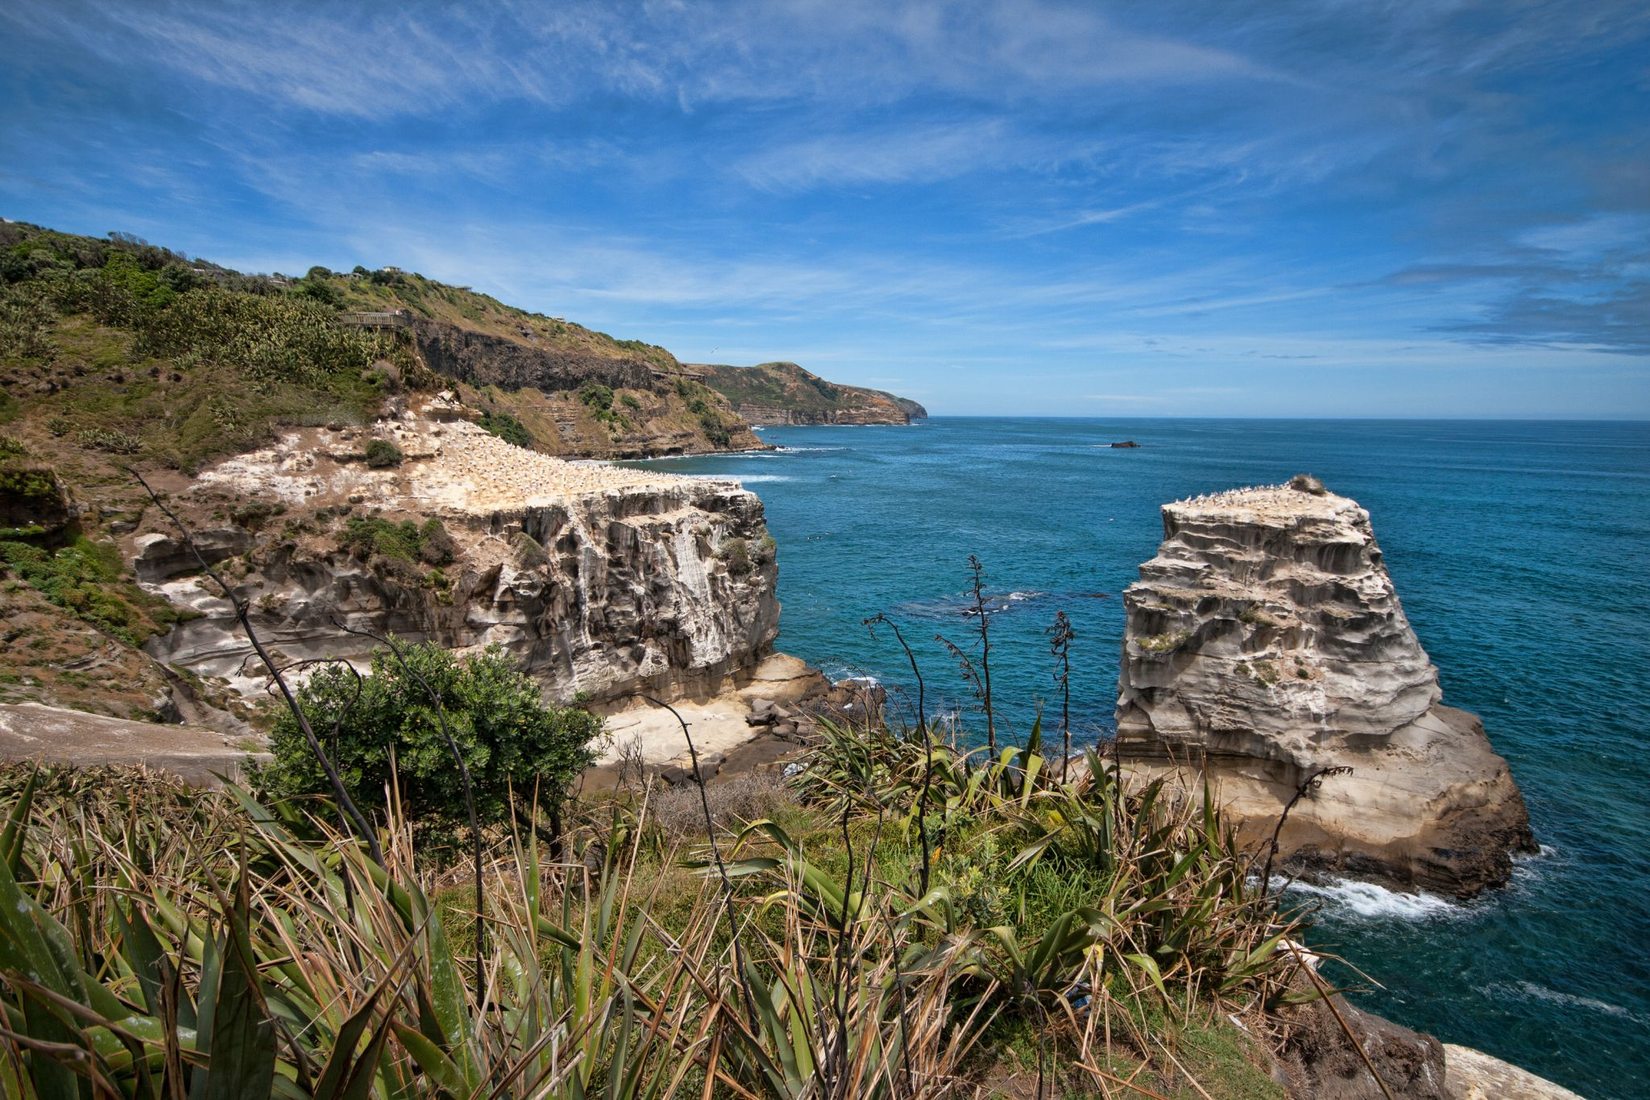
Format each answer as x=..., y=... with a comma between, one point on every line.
x=1521, y=551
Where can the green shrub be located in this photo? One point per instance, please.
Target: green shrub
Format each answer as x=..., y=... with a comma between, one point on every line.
x=506, y=427
x=109, y=440
x=596, y=396
x=529, y=553
x=715, y=431
x=435, y=545
x=26, y=317
x=1163, y=643
x=320, y=291
x=255, y=514
x=737, y=554
x=373, y=536
x=381, y=454
x=86, y=578
x=508, y=737
x=31, y=488
x=599, y=400
x=376, y=539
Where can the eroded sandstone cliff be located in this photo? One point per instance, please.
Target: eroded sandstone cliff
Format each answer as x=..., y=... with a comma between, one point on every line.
x=1266, y=643
x=597, y=579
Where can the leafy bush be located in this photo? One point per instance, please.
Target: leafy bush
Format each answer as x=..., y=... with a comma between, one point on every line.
x=737, y=554
x=510, y=740
x=506, y=427
x=110, y=440
x=25, y=324
x=715, y=431
x=1090, y=926
x=381, y=454
x=369, y=537
x=599, y=400
x=701, y=402
x=86, y=578
x=596, y=396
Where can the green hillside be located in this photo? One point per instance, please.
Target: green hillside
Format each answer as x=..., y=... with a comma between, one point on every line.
x=784, y=393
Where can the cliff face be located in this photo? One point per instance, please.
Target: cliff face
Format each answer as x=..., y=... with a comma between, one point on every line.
x=1266, y=642
x=597, y=580
x=484, y=359
x=585, y=398
x=784, y=393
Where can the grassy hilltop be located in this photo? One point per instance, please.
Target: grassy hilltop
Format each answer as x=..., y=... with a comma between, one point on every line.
x=123, y=347
x=118, y=354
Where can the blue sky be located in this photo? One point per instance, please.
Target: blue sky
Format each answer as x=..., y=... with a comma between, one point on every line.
x=1341, y=209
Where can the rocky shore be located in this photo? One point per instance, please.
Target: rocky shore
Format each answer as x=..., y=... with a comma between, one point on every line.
x=1266, y=650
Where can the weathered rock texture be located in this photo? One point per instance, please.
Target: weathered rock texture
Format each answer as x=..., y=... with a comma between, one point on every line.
x=541, y=381
x=1265, y=643
x=596, y=579
x=484, y=359
x=1473, y=1075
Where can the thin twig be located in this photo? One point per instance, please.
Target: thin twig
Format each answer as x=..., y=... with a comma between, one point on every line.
x=464, y=777
x=978, y=585
x=1060, y=646
x=244, y=617
x=1311, y=783
x=716, y=856
x=927, y=752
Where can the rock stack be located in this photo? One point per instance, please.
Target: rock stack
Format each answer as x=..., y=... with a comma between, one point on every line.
x=1265, y=644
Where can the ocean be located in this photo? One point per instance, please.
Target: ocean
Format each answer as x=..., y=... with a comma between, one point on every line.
x=1521, y=551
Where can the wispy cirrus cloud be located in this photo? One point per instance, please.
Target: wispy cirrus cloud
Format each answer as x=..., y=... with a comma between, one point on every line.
x=365, y=60
x=1443, y=194
x=926, y=153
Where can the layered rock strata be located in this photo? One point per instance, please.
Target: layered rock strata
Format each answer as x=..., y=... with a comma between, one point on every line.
x=598, y=580
x=1264, y=644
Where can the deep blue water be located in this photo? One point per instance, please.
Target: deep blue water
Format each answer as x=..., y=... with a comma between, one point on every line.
x=1521, y=551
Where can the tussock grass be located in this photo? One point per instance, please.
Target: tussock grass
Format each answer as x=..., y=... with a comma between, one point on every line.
x=157, y=941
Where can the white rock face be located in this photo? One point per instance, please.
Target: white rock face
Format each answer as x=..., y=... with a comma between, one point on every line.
x=597, y=579
x=1264, y=643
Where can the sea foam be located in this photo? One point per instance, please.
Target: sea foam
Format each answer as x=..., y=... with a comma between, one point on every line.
x=1366, y=899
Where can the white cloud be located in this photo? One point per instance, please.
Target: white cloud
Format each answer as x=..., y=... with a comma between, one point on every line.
x=370, y=61
x=926, y=153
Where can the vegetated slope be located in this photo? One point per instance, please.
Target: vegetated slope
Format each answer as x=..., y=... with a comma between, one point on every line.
x=784, y=393
x=117, y=355
x=570, y=389
x=102, y=327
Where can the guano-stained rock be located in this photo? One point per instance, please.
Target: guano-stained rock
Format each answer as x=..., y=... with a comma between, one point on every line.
x=1265, y=643
x=597, y=579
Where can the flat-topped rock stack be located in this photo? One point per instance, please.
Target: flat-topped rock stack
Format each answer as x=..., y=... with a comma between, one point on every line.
x=598, y=579
x=1265, y=643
